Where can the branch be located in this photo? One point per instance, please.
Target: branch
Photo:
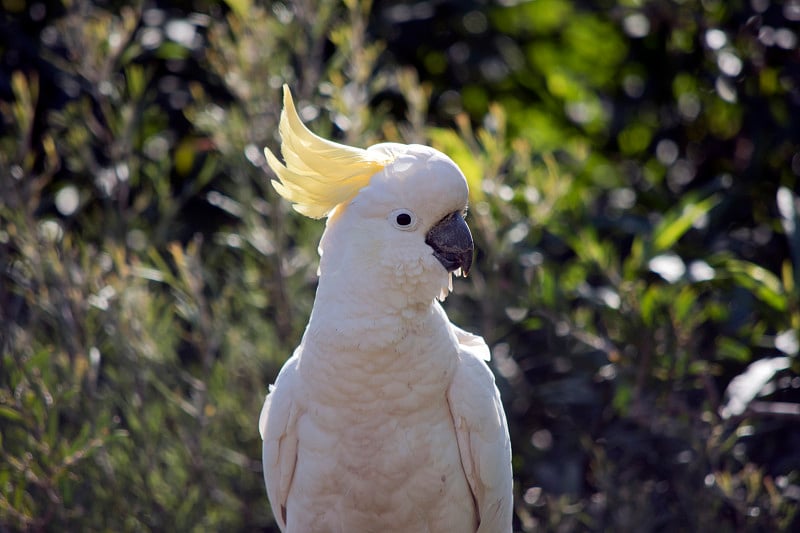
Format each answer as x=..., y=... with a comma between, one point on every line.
x=774, y=409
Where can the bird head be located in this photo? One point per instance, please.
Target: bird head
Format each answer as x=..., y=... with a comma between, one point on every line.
x=395, y=211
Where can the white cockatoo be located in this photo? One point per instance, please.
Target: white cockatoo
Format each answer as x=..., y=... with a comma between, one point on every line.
x=386, y=418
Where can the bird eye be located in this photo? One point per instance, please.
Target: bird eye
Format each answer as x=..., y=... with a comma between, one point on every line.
x=403, y=219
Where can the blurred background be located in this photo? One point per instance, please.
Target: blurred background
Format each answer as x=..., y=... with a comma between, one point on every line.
x=634, y=169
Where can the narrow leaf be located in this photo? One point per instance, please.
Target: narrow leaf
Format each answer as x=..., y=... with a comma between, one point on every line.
x=677, y=223
x=764, y=285
x=9, y=413
x=789, y=208
x=747, y=385
x=240, y=7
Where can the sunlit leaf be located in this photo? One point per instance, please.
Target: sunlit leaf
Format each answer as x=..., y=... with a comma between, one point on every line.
x=10, y=414
x=26, y=94
x=765, y=285
x=136, y=81
x=745, y=387
x=669, y=266
x=635, y=138
x=788, y=273
x=172, y=50
x=732, y=349
x=647, y=304
x=184, y=157
x=240, y=7
x=684, y=304
x=788, y=342
x=676, y=223
x=789, y=208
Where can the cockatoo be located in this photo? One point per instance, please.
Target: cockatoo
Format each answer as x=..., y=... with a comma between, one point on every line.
x=386, y=417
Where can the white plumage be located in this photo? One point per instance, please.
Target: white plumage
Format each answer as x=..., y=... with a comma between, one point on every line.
x=386, y=418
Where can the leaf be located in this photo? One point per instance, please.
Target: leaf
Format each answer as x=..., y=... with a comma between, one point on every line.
x=669, y=266
x=548, y=288
x=26, y=94
x=634, y=262
x=728, y=348
x=647, y=304
x=684, y=304
x=136, y=81
x=170, y=50
x=764, y=285
x=675, y=224
x=746, y=386
x=9, y=413
x=623, y=397
x=240, y=7
x=789, y=208
x=788, y=274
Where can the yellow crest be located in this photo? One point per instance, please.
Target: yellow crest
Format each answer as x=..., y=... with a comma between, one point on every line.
x=318, y=174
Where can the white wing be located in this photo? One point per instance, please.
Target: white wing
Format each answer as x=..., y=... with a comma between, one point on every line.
x=482, y=433
x=277, y=425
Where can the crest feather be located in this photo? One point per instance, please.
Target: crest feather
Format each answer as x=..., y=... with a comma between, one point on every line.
x=318, y=174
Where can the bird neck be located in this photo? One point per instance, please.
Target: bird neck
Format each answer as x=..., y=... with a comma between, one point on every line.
x=355, y=301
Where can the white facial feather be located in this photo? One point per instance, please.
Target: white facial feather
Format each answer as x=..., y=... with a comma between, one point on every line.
x=362, y=246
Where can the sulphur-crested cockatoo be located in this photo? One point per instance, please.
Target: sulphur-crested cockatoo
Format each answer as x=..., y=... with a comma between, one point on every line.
x=386, y=418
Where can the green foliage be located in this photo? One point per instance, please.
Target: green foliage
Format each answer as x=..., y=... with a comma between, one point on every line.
x=633, y=200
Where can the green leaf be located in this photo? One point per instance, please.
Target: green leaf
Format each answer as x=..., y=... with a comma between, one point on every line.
x=622, y=399
x=9, y=413
x=240, y=7
x=764, y=285
x=683, y=305
x=136, y=81
x=635, y=261
x=547, y=288
x=26, y=94
x=635, y=138
x=171, y=50
x=647, y=304
x=728, y=348
x=675, y=224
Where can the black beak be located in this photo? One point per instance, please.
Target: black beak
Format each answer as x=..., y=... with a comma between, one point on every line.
x=452, y=243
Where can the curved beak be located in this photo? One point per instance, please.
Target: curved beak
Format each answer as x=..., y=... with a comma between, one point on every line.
x=452, y=244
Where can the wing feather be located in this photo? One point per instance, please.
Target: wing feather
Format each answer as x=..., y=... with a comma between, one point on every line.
x=482, y=433
x=277, y=425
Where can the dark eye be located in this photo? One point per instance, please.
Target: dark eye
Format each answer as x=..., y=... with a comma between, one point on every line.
x=403, y=219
